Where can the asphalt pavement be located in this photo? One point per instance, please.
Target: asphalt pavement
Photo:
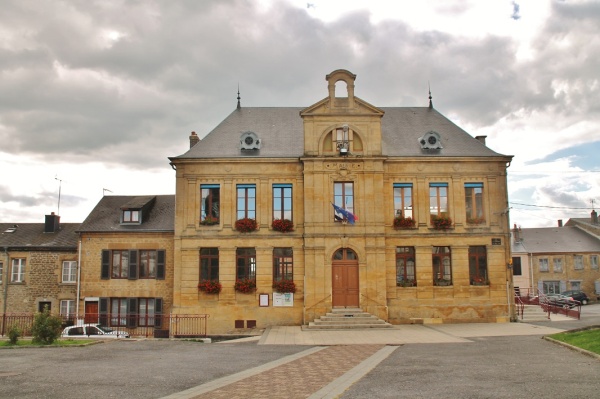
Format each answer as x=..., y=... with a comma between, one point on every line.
x=464, y=361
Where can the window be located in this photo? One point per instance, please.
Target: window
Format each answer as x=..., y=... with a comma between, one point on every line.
x=133, y=264
x=343, y=196
x=342, y=138
x=438, y=199
x=283, y=264
x=120, y=264
x=575, y=285
x=593, y=264
x=478, y=265
x=578, y=262
x=209, y=264
x=558, y=268
x=210, y=204
x=118, y=312
x=245, y=263
x=551, y=287
x=1, y=271
x=18, y=271
x=516, y=260
x=130, y=312
x=246, y=201
x=403, y=205
x=69, y=271
x=282, y=201
x=405, y=267
x=442, y=266
x=148, y=261
x=146, y=312
x=474, y=203
x=67, y=308
x=543, y=262
x=131, y=216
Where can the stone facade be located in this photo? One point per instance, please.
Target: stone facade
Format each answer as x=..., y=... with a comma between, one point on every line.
x=318, y=239
x=42, y=281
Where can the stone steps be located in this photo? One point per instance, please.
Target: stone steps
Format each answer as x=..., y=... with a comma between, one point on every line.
x=347, y=319
x=533, y=313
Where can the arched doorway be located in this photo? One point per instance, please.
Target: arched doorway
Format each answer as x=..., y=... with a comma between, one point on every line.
x=344, y=279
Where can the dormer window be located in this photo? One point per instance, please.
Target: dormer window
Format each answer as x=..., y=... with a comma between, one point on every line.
x=131, y=216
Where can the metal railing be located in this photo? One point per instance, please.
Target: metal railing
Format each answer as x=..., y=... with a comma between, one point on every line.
x=158, y=326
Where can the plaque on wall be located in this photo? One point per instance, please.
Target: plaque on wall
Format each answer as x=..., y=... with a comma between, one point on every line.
x=496, y=241
x=286, y=299
x=263, y=300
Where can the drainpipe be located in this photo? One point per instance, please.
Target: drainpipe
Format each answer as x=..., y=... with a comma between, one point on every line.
x=6, y=281
x=78, y=277
x=530, y=254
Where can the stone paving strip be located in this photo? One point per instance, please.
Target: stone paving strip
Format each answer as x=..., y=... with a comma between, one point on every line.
x=320, y=372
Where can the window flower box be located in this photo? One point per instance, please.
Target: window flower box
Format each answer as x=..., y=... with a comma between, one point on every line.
x=245, y=285
x=401, y=222
x=209, y=286
x=443, y=282
x=441, y=222
x=209, y=221
x=476, y=221
x=284, y=286
x=283, y=225
x=477, y=280
x=246, y=225
x=406, y=283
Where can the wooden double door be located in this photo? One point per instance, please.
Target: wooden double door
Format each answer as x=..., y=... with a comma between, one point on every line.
x=344, y=279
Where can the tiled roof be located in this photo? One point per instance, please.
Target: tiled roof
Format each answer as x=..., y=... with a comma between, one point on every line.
x=31, y=236
x=106, y=216
x=281, y=131
x=558, y=240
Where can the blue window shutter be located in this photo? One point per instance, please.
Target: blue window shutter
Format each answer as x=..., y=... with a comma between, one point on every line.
x=540, y=287
x=474, y=185
x=438, y=184
x=160, y=264
x=133, y=265
x=563, y=285
x=158, y=309
x=105, y=268
x=103, y=311
x=400, y=185
x=132, y=315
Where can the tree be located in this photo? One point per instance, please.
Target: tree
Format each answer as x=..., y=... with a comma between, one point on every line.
x=46, y=328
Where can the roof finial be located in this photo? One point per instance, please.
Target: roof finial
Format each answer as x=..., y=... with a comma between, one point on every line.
x=238, y=98
x=430, y=102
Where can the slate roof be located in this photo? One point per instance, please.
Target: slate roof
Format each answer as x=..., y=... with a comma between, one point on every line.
x=558, y=240
x=106, y=215
x=31, y=237
x=281, y=131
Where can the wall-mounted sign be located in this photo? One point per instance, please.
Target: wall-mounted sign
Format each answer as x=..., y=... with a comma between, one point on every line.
x=286, y=299
x=496, y=241
x=263, y=300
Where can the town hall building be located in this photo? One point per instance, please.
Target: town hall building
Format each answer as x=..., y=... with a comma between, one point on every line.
x=285, y=214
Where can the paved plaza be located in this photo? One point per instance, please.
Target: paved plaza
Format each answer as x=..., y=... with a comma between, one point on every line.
x=472, y=360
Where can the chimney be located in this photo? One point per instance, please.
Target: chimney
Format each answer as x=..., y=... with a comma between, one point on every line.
x=481, y=139
x=516, y=236
x=560, y=223
x=594, y=217
x=52, y=224
x=194, y=139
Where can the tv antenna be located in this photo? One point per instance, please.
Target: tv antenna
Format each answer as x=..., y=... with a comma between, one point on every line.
x=59, y=188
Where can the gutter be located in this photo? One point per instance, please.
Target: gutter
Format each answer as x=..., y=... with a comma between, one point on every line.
x=78, y=277
x=6, y=281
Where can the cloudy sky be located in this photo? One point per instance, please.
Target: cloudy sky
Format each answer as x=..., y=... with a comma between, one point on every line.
x=96, y=95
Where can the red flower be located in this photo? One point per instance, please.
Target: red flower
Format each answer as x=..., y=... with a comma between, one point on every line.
x=401, y=222
x=283, y=286
x=245, y=225
x=283, y=225
x=245, y=285
x=441, y=222
x=209, y=286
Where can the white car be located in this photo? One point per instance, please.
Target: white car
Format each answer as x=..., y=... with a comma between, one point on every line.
x=93, y=331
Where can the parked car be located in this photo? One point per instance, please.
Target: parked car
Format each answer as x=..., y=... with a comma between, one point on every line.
x=93, y=331
x=577, y=295
x=561, y=301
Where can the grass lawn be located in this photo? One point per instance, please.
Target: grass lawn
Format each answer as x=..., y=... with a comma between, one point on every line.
x=57, y=343
x=586, y=339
